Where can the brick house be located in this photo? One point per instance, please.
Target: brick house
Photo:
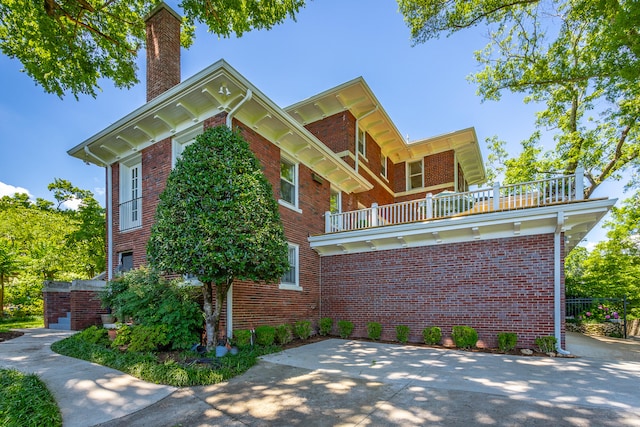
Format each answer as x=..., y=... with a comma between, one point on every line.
x=379, y=229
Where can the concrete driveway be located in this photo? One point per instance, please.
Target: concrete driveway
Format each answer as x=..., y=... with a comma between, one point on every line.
x=353, y=383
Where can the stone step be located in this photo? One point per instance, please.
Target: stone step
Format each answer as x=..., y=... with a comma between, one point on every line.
x=64, y=323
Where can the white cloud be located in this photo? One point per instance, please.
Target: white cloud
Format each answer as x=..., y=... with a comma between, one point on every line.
x=10, y=190
x=99, y=191
x=72, y=204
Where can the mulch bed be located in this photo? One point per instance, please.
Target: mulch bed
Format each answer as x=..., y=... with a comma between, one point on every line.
x=6, y=336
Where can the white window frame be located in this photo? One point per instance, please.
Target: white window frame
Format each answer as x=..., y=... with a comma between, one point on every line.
x=295, y=183
x=338, y=194
x=130, y=211
x=361, y=141
x=384, y=164
x=293, y=249
x=409, y=176
x=182, y=141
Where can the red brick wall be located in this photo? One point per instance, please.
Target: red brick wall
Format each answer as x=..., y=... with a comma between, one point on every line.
x=439, y=168
x=336, y=132
x=163, y=52
x=56, y=305
x=501, y=285
x=86, y=309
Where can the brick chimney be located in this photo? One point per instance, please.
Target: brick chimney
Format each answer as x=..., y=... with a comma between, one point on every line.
x=163, y=50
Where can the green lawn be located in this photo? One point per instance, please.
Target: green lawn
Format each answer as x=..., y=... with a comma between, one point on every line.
x=22, y=323
x=25, y=401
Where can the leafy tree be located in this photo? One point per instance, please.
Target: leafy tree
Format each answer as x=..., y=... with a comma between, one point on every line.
x=68, y=45
x=580, y=58
x=218, y=219
x=8, y=267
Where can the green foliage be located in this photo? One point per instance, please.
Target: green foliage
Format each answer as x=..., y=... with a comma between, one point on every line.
x=265, y=335
x=507, y=341
x=143, y=338
x=154, y=301
x=21, y=323
x=302, y=329
x=580, y=59
x=546, y=344
x=345, y=328
x=374, y=330
x=402, y=333
x=94, y=335
x=218, y=219
x=242, y=337
x=464, y=336
x=70, y=46
x=432, y=335
x=25, y=401
x=284, y=335
x=147, y=366
x=326, y=326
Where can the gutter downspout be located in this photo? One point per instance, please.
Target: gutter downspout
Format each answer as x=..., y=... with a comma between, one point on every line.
x=358, y=135
x=557, y=315
x=235, y=109
x=229, y=123
x=109, y=212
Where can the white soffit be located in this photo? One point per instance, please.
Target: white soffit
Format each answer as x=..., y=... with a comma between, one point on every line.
x=579, y=219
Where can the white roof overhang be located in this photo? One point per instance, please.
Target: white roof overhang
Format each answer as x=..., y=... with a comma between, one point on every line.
x=575, y=220
x=218, y=88
x=357, y=97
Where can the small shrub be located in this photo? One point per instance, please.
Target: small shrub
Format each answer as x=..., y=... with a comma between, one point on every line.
x=507, y=341
x=345, y=328
x=302, y=329
x=265, y=335
x=402, y=333
x=242, y=337
x=283, y=334
x=148, y=338
x=374, y=330
x=94, y=335
x=326, y=325
x=546, y=344
x=432, y=335
x=123, y=336
x=464, y=336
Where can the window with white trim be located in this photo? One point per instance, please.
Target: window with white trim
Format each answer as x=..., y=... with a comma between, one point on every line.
x=291, y=278
x=289, y=182
x=335, y=201
x=182, y=141
x=130, y=194
x=125, y=262
x=383, y=165
x=415, y=175
x=362, y=142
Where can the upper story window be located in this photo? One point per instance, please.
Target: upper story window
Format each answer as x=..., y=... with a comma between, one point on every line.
x=415, y=175
x=130, y=194
x=362, y=142
x=383, y=165
x=182, y=141
x=335, y=201
x=291, y=279
x=289, y=182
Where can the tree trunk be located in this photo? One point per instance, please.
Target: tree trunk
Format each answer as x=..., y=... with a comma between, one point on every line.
x=212, y=311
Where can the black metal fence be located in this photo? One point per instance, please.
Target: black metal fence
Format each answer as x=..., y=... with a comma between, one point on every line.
x=598, y=309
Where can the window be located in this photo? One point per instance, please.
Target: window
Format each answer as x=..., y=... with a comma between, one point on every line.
x=362, y=142
x=182, y=141
x=335, y=201
x=125, y=261
x=290, y=279
x=415, y=175
x=130, y=195
x=383, y=165
x=289, y=182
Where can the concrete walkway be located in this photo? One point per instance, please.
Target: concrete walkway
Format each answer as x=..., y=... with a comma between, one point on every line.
x=351, y=383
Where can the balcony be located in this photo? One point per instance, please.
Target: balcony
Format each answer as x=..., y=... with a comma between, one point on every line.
x=555, y=205
x=131, y=214
x=564, y=189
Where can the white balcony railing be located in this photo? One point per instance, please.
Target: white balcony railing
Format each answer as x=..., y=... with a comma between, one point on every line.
x=131, y=214
x=562, y=189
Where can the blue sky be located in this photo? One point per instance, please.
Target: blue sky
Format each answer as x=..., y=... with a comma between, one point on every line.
x=423, y=89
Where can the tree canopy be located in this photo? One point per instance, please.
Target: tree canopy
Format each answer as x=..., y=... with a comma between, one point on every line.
x=579, y=58
x=67, y=46
x=218, y=219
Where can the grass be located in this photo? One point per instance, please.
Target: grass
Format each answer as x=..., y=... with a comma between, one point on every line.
x=180, y=370
x=25, y=401
x=21, y=323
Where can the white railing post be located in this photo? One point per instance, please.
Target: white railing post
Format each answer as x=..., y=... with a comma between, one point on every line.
x=579, y=183
x=374, y=215
x=496, y=196
x=327, y=222
x=429, y=205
